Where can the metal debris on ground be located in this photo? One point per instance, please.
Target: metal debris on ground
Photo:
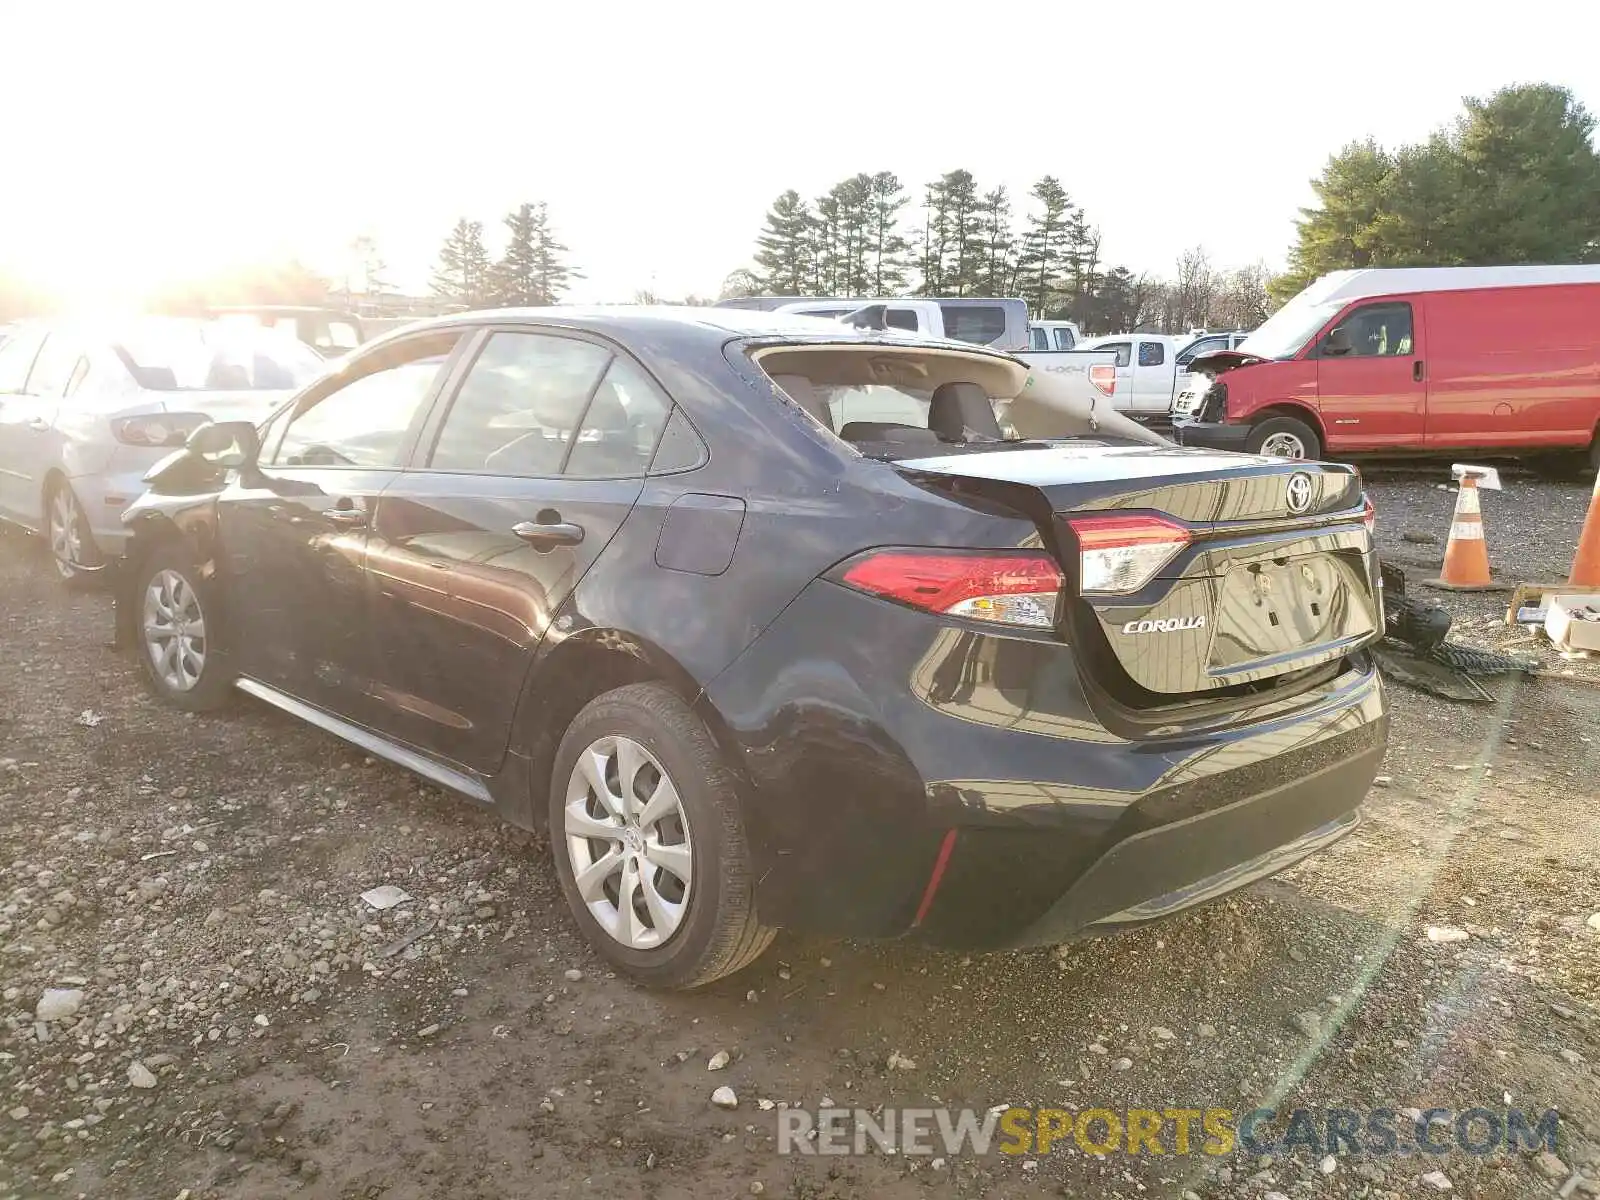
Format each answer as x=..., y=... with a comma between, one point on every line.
x=385, y=897
x=1415, y=650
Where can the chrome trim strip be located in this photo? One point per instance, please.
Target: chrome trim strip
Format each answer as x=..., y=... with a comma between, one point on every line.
x=372, y=743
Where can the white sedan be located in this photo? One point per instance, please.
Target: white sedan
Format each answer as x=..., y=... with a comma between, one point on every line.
x=85, y=411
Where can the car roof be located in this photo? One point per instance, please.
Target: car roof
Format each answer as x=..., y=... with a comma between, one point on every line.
x=622, y=320
x=1391, y=281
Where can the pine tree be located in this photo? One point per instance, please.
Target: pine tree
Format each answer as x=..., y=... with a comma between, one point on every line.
x=998, y=252
x=514, y=275
x=785, y=260
x=463, y=275
x=886, y=248
x=550, y=274
x=1043, y=245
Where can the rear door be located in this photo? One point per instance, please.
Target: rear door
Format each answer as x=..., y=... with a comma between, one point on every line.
x=515, y=490
x=294, y=533
x=1372, y=376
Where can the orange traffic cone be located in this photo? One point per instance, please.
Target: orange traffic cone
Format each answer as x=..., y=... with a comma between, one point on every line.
x=1466, y=555
x=1586, y=561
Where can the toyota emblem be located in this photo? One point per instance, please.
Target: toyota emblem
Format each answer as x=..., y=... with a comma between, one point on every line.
x=1299, y=492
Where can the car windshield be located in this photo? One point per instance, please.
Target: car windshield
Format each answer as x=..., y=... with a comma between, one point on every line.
x=189, y=356
x=1284, y=333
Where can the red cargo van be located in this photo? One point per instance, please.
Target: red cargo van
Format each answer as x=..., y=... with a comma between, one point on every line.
x=1443, y=360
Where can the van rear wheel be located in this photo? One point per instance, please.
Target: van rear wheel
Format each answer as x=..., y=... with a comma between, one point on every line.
x=1284, y=437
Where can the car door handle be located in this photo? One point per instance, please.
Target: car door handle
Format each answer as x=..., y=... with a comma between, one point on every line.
x=349, y=518
x=1416, y=371
x=547, y=536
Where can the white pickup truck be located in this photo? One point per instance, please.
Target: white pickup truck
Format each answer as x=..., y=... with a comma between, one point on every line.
x=1153, y=368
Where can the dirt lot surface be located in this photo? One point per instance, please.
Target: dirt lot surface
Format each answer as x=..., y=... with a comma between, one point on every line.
x=235, y=1023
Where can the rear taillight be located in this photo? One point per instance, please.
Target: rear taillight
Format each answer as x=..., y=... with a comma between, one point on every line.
x=1369, y=514
x=1123, y=553
x=1006, y=588
x=157, y=429
x=1104, y=377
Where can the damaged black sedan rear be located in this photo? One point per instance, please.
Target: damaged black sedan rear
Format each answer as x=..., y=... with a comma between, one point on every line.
x=771, y=625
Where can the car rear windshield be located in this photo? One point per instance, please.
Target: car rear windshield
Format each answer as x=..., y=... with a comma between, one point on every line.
x=224, y=356
x=896, y=407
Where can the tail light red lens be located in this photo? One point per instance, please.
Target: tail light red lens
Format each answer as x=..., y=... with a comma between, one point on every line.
x=1104, y=377
x=1019, y=588
x=157, y=429
x=1369, y=514
x=1123, y=553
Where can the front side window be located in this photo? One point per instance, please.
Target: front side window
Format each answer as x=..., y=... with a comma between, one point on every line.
x=519, y=404
x=1063, y=338
x=363, y=424
x=1372, y=331
x=901, y=318
x=1152, y=354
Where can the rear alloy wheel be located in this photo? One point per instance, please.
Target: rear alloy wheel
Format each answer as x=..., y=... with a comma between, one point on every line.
x=72, y=547
x=646, y=831
x=179, y=649
x=1284, y=437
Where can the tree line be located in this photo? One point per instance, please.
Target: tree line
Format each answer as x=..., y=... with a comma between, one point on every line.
x=532, y=271
x=1514, y=179
x=969, y=240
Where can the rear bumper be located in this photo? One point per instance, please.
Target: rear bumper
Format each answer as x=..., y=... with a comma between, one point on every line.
x=869, y=732
x=107, y=493
x=1212, y=435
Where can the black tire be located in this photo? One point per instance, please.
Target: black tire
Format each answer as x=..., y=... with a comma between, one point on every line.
x=1284, y=427
x=718, y=932
x=213, y=685
x=89, y=554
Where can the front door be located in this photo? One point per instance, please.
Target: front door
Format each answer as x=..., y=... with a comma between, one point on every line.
x=1372, y=380
x=527, y=476
x=294, y=532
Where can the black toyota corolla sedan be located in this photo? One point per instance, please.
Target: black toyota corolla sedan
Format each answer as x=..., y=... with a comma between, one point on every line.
x=777, y=623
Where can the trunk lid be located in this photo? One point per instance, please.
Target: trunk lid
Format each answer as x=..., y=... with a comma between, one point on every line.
x=1271, y=571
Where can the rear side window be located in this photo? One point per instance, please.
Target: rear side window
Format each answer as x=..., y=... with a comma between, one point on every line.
x=1063, y=339
x=1152, y=354
x=901, y=318
x=1038, y=339
x=680, y=448
x=515, y=412
x=621, y=426
x=54, y=367
x=1124, y=351
x=977, y=323
x=16, y=360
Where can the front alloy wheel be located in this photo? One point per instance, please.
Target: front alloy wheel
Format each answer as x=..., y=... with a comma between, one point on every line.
x=174, y=631
x=173, y=610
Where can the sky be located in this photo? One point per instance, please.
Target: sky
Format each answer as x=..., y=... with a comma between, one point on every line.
x=166, y=139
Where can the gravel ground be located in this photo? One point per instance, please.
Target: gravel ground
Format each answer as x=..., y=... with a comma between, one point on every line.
x=230, y=1021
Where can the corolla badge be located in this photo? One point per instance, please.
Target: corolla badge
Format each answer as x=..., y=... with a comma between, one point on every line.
x=1165, y=624
x=1298, y=492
